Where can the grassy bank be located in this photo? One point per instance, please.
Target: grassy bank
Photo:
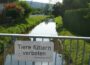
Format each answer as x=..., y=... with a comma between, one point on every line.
x=20, y=27
x=74, y=48
x=23, y=26
x=60, y=28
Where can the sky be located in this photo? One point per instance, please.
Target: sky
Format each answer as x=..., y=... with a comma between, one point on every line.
x=46, y=1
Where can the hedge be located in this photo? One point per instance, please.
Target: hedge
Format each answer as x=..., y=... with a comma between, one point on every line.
x=78, y=21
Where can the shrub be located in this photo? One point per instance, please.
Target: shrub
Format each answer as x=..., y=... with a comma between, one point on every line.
x=13, y=10
x=26, y=7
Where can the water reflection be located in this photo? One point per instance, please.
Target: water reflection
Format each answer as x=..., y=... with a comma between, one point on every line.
x=45, y=29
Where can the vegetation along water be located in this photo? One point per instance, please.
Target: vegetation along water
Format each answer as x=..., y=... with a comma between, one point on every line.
x=72, y=18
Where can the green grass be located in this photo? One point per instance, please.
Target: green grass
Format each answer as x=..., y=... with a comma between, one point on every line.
x=20, y=28
x=59, y=22
x=64, y=32
x=60, y=28
x=23, y=27
x=32, y=21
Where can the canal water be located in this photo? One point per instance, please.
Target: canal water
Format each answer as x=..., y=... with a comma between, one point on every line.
x=46, y=28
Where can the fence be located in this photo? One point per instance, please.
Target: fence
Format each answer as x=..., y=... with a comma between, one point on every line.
x=72, y=50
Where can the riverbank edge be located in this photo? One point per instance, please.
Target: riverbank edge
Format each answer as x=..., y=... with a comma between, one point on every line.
x=64, y=32
x=25, y=30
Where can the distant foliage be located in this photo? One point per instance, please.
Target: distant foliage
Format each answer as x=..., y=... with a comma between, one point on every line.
x=13, y=10
x=75, y=4
x=16, y=10
x=10, y=5
x=58, y=9
x=26, y=7
x=36, y=11
x=46, y=9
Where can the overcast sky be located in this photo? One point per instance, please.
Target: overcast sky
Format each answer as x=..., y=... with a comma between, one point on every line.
x=46, y=1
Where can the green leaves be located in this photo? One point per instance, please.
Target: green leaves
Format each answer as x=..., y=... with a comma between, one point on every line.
x=58, y=9
x=26, y=7
x=75, y=4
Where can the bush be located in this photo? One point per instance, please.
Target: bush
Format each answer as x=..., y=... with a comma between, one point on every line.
x=78, y=21
x=58, y=9
x=13, y=10
x=19, y=29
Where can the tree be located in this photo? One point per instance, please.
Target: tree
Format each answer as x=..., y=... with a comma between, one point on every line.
x=67, y=4
x=17, y=10
x=46, y=9
x=6, y=1
x=75, y=4
x=13, y=0
x=26, y=7
x=58, y=9
x=12, y=10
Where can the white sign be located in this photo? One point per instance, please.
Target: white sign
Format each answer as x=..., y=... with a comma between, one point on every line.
x=34, y=51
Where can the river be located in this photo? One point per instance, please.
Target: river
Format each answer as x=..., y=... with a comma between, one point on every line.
x=46, y=28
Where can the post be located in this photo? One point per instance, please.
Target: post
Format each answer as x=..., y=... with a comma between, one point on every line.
x=11, y=59
x=70, y=58
x=64, y=49
x=4, y=55
x=55, y=58
x=12, y=43
x=77, y=49
x=33, y=63
x=89, y=59
x=25, y=63
x=83, y=53
x=42, y=41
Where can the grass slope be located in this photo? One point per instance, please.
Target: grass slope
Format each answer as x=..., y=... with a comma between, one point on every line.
x=22, y=26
